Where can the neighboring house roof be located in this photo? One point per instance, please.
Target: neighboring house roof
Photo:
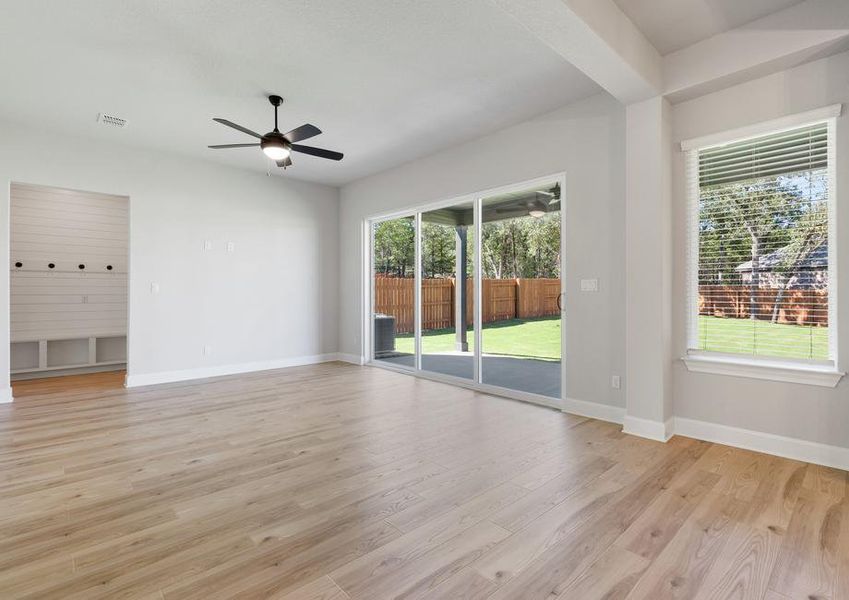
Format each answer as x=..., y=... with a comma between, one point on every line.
x=817, y=260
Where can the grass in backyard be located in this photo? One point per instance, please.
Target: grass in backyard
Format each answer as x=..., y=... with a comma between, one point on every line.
x=540, y=338
x=535, y=338
x=762, y=338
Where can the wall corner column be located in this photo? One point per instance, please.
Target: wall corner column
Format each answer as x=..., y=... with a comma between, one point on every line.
x=648, y=266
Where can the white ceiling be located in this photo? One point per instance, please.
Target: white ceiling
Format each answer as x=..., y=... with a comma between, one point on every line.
x=387, y=80
x=674, y=24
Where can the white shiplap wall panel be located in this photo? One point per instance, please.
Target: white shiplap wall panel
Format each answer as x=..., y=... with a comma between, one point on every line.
x=67, y=228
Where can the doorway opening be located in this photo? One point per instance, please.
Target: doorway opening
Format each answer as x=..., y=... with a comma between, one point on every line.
x=69, y=254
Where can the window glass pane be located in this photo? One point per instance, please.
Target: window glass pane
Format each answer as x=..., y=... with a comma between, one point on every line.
x=393, y=308
x=520, y=290
x=763, y=287
x=447, y=291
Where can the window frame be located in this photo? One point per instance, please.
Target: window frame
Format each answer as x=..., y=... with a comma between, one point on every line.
x=804, y=371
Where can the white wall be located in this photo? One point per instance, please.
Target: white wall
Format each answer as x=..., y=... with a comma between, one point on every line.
x=272, y=300
x=585, y=140
x=807, y=412
x=67, y=228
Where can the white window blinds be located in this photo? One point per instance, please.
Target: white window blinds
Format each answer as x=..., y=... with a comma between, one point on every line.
x=759, y=272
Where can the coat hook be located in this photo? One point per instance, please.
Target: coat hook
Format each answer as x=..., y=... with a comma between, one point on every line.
x=51, y=265
x=19, y=264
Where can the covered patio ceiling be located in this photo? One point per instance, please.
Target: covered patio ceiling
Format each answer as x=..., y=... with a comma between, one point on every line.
x=544, y=199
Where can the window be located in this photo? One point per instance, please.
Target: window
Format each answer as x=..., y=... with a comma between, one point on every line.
x=761, y=282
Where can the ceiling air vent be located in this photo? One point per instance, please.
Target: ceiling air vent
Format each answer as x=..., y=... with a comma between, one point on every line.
x=111, y=120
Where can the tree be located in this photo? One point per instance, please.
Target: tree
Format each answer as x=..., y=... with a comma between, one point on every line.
x=760, y=212
x=438, y=250
x=809, y=234
x=394, y=247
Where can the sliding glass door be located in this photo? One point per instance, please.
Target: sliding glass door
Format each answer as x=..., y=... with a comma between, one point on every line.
x=471, y=291
x=447, y=291
x=393, y=315
x=520, y=335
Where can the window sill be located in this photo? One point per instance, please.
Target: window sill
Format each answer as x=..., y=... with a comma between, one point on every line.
x=770, y=370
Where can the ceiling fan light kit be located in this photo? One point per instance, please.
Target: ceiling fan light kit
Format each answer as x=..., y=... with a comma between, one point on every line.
x=279, y=146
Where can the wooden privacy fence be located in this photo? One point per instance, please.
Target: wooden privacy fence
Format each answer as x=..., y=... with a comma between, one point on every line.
x=798, y=307
x=502, y=299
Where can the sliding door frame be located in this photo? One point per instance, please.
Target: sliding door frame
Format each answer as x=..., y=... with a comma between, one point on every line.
x=415, y=212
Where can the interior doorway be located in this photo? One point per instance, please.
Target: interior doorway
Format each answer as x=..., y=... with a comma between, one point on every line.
x=69, y=254
x=471, y=291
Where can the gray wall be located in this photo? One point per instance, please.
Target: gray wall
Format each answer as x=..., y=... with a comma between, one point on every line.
x=273, y=298
x=800, y=411
x=584, y=140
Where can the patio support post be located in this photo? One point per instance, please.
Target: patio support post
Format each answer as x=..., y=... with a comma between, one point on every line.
x=460, y=320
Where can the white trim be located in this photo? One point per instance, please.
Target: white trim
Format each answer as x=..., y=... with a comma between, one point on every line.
x=417, y=290
x=691, y=174
x=825, y=375
x=409, y=211
x=477, y=290
x=6, y=395
x=350, y=358
x=659, y=431
x=758, y=441
x=366, y=290
x=205, y=372
x=594, y=410
x=789, y=372
x=833, y=241
x=764, y=127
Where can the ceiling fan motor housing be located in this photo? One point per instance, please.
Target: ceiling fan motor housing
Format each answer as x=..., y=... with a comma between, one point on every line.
x=275, y=139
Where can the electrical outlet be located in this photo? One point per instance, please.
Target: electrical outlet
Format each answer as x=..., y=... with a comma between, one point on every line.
x=615, y=382
x=231, y=246
x=589, y=285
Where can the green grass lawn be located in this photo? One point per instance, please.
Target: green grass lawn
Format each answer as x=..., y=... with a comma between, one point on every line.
x=762, y=338
x=537, y=338
x=540, y=338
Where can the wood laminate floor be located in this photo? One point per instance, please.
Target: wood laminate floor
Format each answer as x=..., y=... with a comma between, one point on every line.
x=334, y=482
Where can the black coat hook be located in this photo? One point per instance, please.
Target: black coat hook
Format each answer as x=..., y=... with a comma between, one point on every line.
x=19, y=264
x=51, y=265
x=81, y=266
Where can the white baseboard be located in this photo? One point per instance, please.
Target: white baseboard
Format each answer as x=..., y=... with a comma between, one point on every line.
x=350, y=358
x=205, y=372
x=794, y=448
x=594, y=410
x=6, y=395
x=654, y=430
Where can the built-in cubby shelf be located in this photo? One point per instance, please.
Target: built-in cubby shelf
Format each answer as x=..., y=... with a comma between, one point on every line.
x=68, y=264
x=59, y=354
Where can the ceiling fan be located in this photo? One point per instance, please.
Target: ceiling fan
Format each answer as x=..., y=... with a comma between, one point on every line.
x=279, y=146
x=535, y=204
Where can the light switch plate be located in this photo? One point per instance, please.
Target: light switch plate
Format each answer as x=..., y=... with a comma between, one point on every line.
x=589, y=285
x=207, y=244
x=154, y=288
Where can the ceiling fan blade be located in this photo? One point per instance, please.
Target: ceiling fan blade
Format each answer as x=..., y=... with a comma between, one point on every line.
x=237, y=127
x=286, y=162
x=320, y=152
x=302, y=133
x=220, y=146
